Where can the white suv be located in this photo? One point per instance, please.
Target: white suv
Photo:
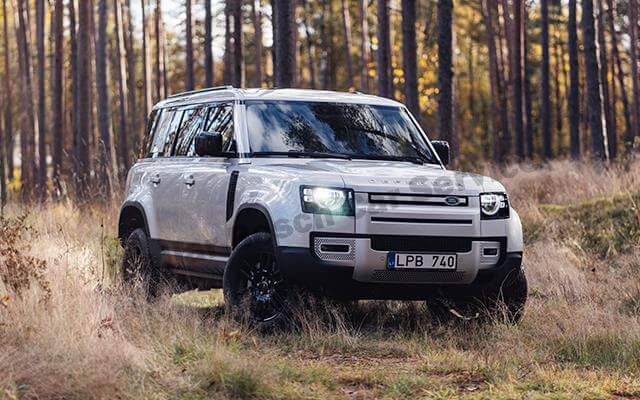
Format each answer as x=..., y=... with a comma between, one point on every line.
x=263, y=191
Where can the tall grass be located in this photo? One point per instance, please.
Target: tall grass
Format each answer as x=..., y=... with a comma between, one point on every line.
x=73, y=332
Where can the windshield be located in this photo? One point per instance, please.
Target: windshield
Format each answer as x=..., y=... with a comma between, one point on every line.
x=353, y=130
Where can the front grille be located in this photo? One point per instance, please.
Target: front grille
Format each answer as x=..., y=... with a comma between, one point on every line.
x=421, y=243
x=418, y=199
x=412, y=276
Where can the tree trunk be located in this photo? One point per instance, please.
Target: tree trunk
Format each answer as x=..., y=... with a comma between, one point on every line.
x=545, y=95
x=160, y=86
x=3, y=182
x=365, y=52
x=27, y=133
x=592, y=71
x=57, y=99
x=73, y=58
x=208, y=53
x=85, y=36
x=635, y=77
x=132, y=87
x=628, y=137
x=42, y=103
x=8, y=114
x=517, y=79
x=528, y=103
x=285, y=44
x=256, y=18
x=610, y=133
x=324, y=45
x=105, y=147
x=445, y=71
x=120, y=77
x=384, y=50
x=238, y=79
x=409, y=54
x=228, y=71
x=574, y=73
x=496, y=121
x=309, y=40
x=346, y=31
x=146, y=66
x=189, y=79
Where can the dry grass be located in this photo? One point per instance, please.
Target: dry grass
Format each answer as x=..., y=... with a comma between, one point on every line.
x=580, y=337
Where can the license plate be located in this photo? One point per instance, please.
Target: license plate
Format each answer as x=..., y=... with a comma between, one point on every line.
x=422, y=261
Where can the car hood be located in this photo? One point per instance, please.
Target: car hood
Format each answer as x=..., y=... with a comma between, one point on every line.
x=384, y=176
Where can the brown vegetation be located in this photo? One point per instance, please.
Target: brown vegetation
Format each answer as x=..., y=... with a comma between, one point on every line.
x=72, y=333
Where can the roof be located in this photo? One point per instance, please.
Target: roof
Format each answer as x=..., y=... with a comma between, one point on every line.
x=228, y=93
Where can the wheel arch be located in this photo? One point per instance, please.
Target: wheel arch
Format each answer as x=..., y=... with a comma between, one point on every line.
x=132, y=217
x=250, y=219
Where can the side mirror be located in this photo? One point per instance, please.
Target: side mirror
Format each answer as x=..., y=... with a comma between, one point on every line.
x=442, y=148
x=208, y=144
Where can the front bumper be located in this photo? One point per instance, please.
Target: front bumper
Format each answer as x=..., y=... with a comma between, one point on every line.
x=339, y=280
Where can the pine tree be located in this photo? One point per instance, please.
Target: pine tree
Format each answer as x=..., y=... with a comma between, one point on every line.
x=594, y=101
x=409, y=54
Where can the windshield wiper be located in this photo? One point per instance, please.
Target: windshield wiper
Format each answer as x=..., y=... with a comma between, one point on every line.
x=411, y=159
x=300, y=154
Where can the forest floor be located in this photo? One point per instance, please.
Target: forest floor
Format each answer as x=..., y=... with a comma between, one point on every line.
x=72, y=334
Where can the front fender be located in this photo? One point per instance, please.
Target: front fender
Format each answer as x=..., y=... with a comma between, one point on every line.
x=515, y=242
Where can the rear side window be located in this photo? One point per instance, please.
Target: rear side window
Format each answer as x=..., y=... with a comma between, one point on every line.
x=148, y=139
x=163, y=138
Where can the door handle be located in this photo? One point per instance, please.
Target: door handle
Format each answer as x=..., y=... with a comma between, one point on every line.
x=189, y=181
x=155, y=179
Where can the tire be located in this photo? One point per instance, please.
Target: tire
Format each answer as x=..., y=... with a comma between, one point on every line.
x=139, y=268
x=507, y=304
x=254, y=291
x=503, y=304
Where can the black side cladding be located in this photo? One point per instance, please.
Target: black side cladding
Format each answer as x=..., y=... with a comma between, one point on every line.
x=231, y=193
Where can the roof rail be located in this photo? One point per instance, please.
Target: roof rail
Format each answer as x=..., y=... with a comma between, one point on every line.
x=211, y=89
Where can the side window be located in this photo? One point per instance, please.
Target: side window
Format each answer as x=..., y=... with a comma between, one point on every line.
x=145, y=151
x=160, y=137
x=191, y=126
x=220, y=119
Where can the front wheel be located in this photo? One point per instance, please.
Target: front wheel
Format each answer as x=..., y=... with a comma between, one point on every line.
x=138, y=266
x=254, y=291
x=509, y=300
x=505, y=303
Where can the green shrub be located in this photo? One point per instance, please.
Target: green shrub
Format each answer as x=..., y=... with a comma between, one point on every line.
x=600, y=227
x=602, y=350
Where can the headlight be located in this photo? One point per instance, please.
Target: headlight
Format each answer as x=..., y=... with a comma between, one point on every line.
x=494, y=205
x=322, y=200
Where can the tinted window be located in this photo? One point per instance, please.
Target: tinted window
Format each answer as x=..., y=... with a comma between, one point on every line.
x=356, y=130
x=162, y=140
x=220, y=120
x=148, y=139
x=190, y=127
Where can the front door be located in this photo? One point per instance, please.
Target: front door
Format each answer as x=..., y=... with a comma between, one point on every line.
x=204, y=182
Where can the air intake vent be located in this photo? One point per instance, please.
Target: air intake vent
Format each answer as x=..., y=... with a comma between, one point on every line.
x=335, y=249
x=412, y=276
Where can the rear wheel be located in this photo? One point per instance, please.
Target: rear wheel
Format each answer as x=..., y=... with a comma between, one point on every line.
x=254, y=291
